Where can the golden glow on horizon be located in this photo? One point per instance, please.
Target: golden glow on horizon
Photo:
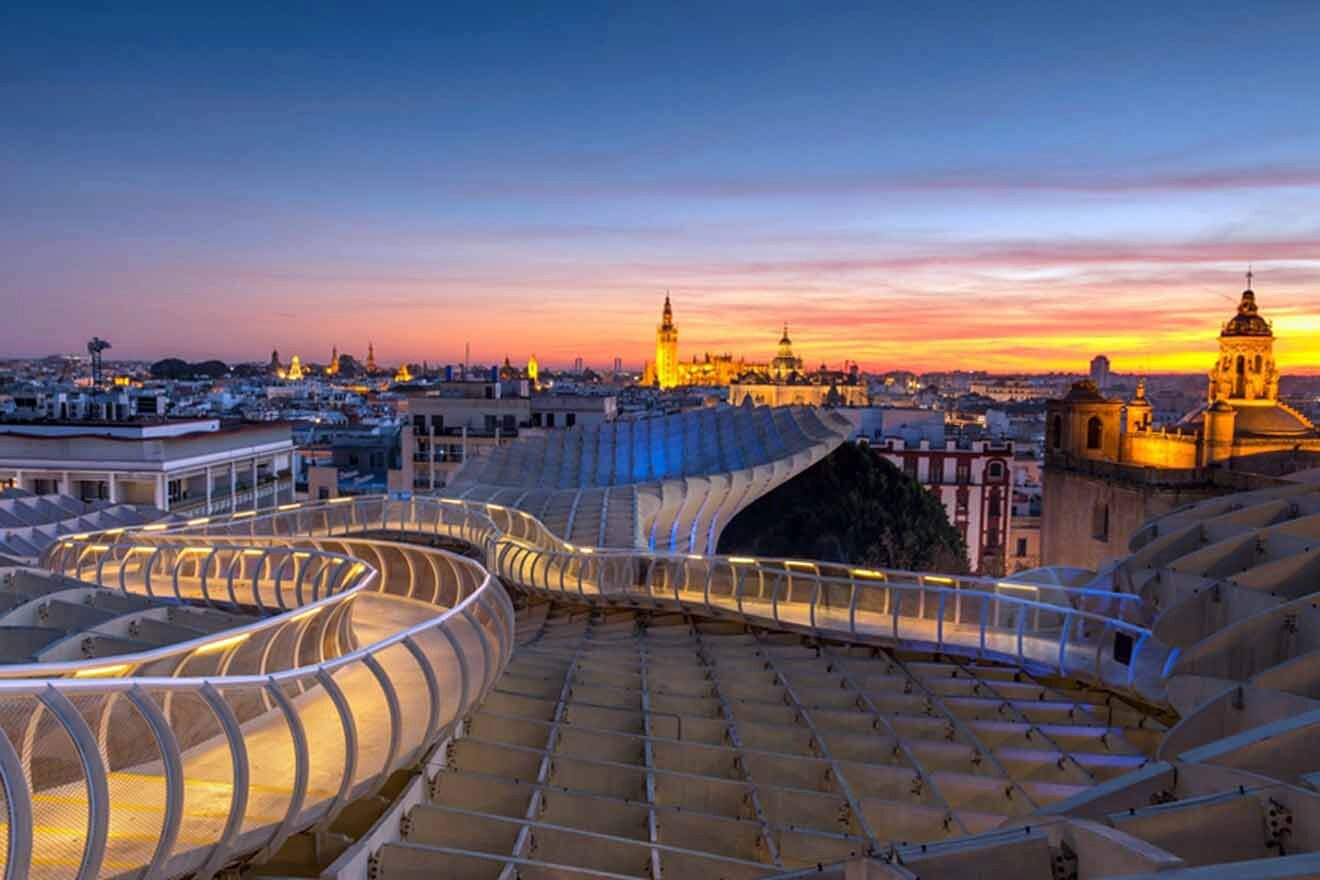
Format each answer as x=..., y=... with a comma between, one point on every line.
x=945, y=343
x=1047, y=309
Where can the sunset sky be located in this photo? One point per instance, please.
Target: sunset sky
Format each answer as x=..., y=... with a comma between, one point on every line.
x=995, y=186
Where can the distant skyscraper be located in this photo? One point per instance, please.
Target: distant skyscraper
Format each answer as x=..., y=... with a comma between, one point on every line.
x=618, y=364
x=577, y=364
x=1100, y=371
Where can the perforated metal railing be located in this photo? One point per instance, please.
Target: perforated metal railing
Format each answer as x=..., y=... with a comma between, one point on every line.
x=1090, y=633
x=179, y=760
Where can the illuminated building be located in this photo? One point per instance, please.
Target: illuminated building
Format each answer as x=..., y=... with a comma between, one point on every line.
x=785, y=364
x=507, y=372
x=667, y=371
x=1004, y=390
x=783, y=382
x=333, y=368
x=1109, y=468
x=666, y=349
x=533, y=371
x=754, y=378
x=296, y=372
x=371, y=360
x=403, y=374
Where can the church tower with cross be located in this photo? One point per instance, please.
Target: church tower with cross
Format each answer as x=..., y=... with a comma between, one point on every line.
x=1245, y=370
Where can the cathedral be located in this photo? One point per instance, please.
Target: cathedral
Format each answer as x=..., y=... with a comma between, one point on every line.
x=1108, y=468
x=783, y=381
x=667, y=371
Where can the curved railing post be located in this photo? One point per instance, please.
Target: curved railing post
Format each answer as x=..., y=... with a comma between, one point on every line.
x=1063, y=641
x=464, y=673
x=238, y=798
x=172, y=762
x=301, y=763
x=18, y=803
x=395, y=713
x=349, y=726
x=94, y=772
x=432, y=689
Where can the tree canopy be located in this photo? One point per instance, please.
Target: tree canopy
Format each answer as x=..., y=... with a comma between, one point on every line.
x=855, y=507
x=174, y=368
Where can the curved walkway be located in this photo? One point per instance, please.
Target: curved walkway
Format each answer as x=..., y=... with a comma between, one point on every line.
x=180, y=760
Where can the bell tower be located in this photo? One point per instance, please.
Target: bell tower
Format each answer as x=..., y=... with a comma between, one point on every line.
x=666, y=348
x=1245, y=369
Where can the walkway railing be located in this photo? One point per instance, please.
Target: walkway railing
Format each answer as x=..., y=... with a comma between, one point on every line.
x=180, y=760
x=1095, y=634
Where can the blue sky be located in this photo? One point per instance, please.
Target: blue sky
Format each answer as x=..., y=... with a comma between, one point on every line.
x=1015, y=180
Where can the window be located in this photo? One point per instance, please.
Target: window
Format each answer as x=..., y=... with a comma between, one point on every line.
x=1095, y=433
x=536, y=420
x=570, y=419
x=1021, y=547
x=322, y=492
x=1056, y=432
x=549, y=420
x=1100, y=522
x=994, y=504
x=964, y=472
x=510, y=423
x=1257, y=363
x=995, y=470
x=419, y=424
x=910, y=466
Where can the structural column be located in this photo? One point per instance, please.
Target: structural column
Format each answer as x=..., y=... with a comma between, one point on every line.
x=233, y=486
x=207, y=477
x=431, y=455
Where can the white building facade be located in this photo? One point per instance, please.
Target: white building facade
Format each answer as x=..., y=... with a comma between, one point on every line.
x=193, y=467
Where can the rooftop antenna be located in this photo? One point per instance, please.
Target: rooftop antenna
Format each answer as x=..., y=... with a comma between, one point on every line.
x=95, y=346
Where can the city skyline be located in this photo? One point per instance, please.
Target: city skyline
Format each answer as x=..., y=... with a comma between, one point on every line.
x=926, y=190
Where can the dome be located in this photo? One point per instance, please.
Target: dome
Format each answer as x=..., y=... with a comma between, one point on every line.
x=1263, y=419
x=1085, y=390
x=1247, y=321
x=1270, y=421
